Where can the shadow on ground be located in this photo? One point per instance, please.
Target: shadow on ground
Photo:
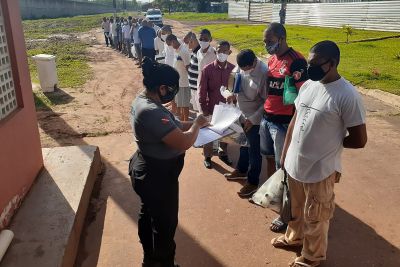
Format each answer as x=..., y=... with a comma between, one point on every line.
x=352, y=242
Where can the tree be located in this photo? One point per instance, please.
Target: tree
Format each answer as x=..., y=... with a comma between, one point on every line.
x=348, y=30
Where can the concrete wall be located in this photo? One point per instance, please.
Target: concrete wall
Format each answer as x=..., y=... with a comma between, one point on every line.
x=33, y=9
x=20, y=149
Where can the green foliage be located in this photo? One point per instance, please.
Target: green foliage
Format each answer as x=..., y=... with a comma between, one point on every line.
x=348, y=30
x=368, y=64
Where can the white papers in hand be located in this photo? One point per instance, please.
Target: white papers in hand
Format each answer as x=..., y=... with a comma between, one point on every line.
x=224, y=116
x=207, y=135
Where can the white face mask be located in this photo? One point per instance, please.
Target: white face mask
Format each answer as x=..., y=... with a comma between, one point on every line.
x=164, y=37
x=221, y=57
x=204, y=45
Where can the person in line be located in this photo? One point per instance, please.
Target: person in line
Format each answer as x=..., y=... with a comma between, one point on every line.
x=159, y=45
x=207, y=53
x=169, y=58
x=147, y=35
x=105, y=25
x=193, y=69
x=213, y=76
x=119, y=34
x=115, y=33
x=169, y=50
x=329, y=116
x=154, y=26
x=126, y=31
x=137, y=42
x=112, y=32
x=182, y=63
x=250, y=100
x=284, y=61
x=156, y=165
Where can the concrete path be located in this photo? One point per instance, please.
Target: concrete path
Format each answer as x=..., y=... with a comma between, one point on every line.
x=216, y=227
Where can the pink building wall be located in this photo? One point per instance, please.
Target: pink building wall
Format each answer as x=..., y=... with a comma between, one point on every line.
x=20, y=149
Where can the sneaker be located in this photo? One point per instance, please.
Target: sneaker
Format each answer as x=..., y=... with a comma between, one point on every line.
x=235, y=175
x=247, y=190
x=207, y=163
x=225, y=160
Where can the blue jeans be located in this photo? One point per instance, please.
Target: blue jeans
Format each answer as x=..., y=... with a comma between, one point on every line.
x=272, y=139
x=250, y=159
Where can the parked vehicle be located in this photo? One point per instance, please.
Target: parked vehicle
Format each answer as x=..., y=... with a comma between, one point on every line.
x=155, y=16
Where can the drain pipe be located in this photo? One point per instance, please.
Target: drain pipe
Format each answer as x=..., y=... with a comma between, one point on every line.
x=6, y=237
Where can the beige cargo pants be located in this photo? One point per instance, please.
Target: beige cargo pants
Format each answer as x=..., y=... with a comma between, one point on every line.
x=312, y=208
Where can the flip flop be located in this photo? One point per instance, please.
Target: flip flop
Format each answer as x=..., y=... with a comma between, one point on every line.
x=299, y=263
x=280, y=242
x=280, y=226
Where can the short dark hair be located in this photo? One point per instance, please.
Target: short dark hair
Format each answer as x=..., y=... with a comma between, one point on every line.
x=205, y=32
x=277, y=29
x=328, y=50
x=224, y=43
x=245, y=58
x=171, y=37
x=156, y=74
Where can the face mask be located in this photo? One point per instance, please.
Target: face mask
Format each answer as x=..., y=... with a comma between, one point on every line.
x=164, y=37
x=221, y=57
x=125, y=23
x=316, y=73
x=171, y=93
x=272, y=49
x=204, y=45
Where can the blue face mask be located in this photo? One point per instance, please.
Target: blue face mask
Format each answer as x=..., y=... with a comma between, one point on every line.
x=272, y=49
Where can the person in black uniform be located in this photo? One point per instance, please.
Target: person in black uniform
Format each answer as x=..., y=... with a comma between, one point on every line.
x=155, y=167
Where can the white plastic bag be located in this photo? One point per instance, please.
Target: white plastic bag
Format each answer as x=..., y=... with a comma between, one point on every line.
x=269, y=195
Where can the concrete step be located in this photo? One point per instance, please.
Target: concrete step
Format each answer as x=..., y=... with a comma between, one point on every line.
x=48, y=225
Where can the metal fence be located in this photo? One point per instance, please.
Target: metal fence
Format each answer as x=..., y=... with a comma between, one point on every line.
x=377, y=15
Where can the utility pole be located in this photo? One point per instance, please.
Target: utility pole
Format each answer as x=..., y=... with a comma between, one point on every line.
x=282, y=12
x=115, y=8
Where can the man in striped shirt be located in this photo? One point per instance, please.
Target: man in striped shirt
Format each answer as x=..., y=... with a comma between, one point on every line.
x=193, y=71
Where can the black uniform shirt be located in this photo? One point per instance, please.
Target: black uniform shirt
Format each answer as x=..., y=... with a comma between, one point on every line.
x=151, y=122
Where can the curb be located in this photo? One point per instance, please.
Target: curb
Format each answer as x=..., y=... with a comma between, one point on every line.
x=387, y=98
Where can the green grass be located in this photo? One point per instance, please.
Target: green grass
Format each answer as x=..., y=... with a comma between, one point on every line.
x=192, y=16
x=42, y=28
x=373, y=65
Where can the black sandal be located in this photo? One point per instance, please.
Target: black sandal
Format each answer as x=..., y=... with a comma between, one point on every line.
x=277, y=225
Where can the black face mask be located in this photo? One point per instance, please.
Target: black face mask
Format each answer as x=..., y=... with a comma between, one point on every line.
x=316, y=73
x=272, y=49
x=171, y=93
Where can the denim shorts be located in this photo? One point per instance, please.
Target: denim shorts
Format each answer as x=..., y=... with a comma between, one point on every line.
x=272, y=139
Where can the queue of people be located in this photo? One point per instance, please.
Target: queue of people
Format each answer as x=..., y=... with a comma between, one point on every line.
x=305, y=138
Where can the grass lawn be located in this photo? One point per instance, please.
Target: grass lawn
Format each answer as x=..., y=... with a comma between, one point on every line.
x=192, y=16
x=373, y=65
x=71, y=57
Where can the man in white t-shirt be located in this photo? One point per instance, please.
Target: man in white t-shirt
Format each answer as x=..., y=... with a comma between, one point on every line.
x=126, y=31
x=181, y=64
x=330, y=116
x=206, y=53
x=159, y=46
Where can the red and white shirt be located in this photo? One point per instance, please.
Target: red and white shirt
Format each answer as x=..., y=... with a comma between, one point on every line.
x=291, y=63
